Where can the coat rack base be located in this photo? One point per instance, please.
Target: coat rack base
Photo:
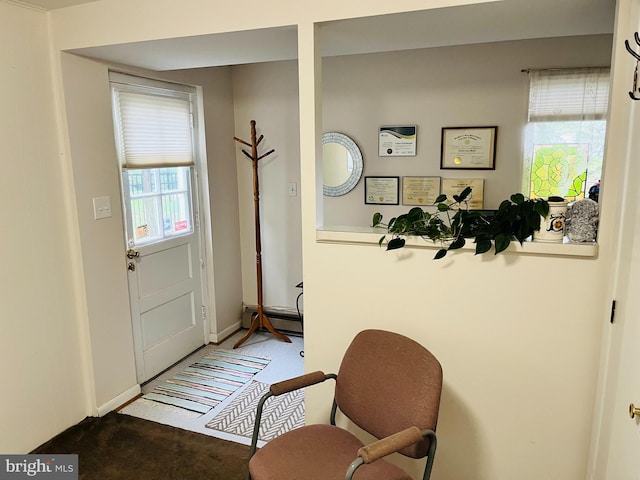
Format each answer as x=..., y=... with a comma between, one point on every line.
x=260, y=320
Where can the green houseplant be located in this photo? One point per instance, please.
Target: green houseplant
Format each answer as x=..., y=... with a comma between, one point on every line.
x=453, y=223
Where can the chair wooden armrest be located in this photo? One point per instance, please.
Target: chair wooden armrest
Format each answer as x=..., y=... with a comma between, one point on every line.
x=296, y=383
x=391, y=444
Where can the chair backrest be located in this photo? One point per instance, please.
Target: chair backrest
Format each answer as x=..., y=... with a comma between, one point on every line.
x=388, y=382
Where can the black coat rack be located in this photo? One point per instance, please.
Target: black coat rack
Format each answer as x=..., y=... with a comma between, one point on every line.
x=632, y=93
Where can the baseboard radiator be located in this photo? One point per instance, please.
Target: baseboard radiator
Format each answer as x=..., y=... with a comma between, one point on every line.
x=282, y=319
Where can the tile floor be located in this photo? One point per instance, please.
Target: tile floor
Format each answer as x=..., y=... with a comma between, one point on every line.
x=286, y=362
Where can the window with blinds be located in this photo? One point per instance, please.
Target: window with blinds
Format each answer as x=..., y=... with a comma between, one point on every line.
x=564, y=141
x=155, y=143
x=153, y=125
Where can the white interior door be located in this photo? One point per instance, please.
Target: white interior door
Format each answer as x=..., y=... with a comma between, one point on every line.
x=164, y=263
x=624, y=448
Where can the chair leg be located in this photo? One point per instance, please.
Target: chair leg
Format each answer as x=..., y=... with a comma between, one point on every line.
x=433, y=443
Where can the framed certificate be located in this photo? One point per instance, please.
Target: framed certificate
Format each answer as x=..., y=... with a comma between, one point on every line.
x=381, y=190
x=420, y=190
x=469, y=148
x=455, y=186
x=397, y=141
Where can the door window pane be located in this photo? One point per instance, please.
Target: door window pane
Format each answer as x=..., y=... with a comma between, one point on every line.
x=159, y=203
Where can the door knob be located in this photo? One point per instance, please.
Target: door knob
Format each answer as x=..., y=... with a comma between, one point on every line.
x=633, y=410
x=131, y=254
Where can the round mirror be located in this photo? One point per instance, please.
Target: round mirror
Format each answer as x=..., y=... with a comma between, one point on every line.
x=341, y=164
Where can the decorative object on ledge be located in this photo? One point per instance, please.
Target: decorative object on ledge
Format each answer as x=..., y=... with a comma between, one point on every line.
x=552, y=227
x=516, y=218
x=635, y=89
x=259, y=319
x=582, y=221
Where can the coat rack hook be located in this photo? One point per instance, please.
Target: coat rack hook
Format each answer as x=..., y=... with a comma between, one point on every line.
x=632, y=93
x=630, y=50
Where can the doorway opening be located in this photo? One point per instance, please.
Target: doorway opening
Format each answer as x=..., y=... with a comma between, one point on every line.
x=155, y=141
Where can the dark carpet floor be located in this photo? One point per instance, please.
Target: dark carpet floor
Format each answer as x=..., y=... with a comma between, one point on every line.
x=120, y=446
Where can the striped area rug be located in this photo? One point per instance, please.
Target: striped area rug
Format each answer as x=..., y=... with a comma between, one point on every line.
x=207, y=382
x=281, y=414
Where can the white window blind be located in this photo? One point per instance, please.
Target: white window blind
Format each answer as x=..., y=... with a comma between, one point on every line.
x=154, y=128
x=567, y=95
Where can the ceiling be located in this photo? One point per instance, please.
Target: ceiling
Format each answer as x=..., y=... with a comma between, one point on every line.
x=476, y=23
x=53, y=4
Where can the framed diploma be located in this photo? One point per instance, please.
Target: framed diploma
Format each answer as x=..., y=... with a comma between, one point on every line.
x=397, y=141
x=469, y=148
x=420, y=190
x=455, y=186
x=381, y=190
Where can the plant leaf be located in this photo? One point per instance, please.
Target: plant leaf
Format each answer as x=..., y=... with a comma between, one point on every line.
x=440, y=253
x=502, y=242
x=517, y=198
x=542, y=207
x=443, y=207
x=458, y=243
x=382, y=239
x=504, y=205
x=483, y=246
x=377, y=218
x=465, y=193
x=522, y=232
x=395, y=243
x=440, y=198
x=533, y=219
x=415, y=214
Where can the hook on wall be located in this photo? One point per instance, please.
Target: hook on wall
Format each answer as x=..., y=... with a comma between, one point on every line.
x=632, y=94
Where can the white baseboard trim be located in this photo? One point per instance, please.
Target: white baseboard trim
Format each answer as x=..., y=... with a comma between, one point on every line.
x=227, y=332
x=121, y=399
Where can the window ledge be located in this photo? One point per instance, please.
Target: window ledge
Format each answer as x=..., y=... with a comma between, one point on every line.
x=370, y=236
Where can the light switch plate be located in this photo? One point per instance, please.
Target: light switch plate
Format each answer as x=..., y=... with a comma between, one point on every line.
x=101, y=207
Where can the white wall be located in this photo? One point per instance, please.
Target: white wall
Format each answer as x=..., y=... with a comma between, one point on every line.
x=96, y=173
x=512, y=370
x=268, y=94
x=42, y=360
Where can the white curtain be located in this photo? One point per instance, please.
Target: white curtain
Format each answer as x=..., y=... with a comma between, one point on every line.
x=154, y=127
x=568, y=94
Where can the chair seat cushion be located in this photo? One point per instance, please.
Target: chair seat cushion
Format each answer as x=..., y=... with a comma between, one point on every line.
x=317, y=452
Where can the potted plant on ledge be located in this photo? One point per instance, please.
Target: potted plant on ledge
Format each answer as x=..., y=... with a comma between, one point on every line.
x=453, y=223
